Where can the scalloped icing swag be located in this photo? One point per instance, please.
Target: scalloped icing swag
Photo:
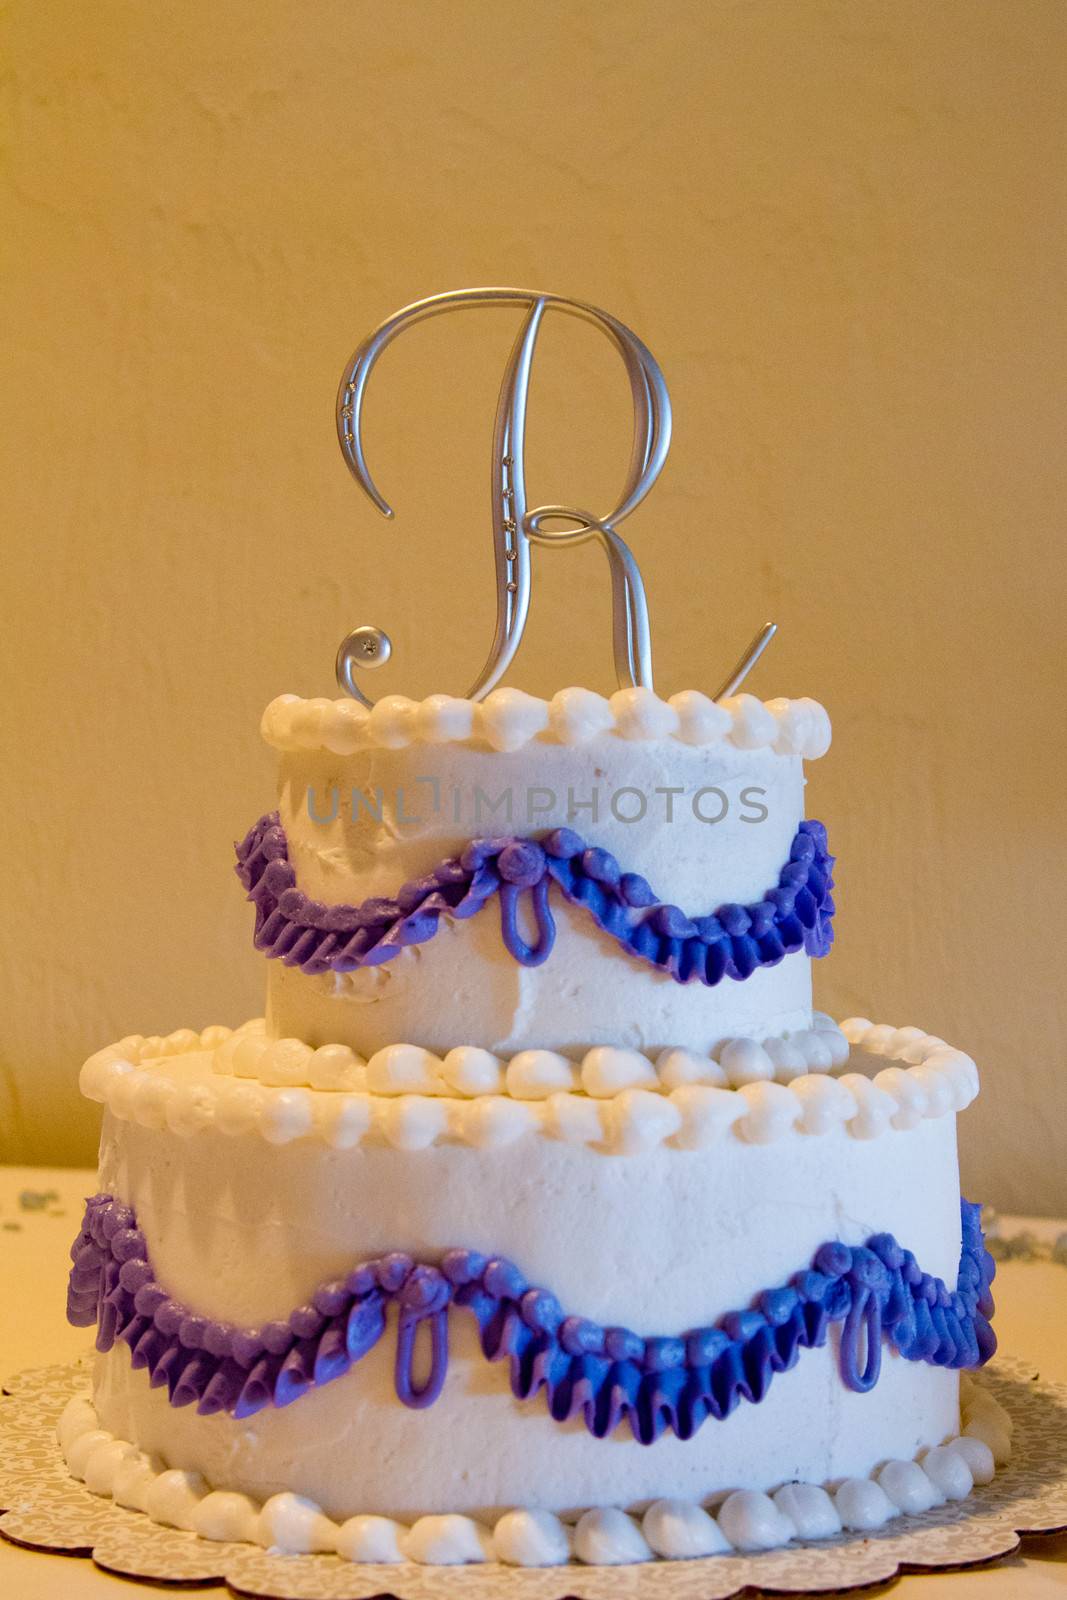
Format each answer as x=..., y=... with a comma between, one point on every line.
x=796, y=914
x=600, y=1375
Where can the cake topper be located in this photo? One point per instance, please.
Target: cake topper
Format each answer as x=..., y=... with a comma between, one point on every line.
x=515, y=525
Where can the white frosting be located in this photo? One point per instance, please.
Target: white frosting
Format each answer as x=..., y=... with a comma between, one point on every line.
x=223, y=1515
x=809, y=1508
x=948, y=1469
x=978, y=1456
x=447, y=1541
x=536, y=1074
x=607, y=1537
x=370, y=1539
x=82, y=1447
x=173, y=1496
x=531, y=1075
x=612, y=1100
x=294, y=1525
x=697, y=1218
x=134, y=1479
x=989, y=1424
x=746, y=1520
x=103, y=1465
x=704, y=824
x=678, y=1529
x=508, y=719
x=750, y=1520
x=531, y=1539
x=78, y=1419
x=863, y=1505
x=909, y=1487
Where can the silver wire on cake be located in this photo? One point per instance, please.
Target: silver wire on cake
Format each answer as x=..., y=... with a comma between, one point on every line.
x=736, y=678
x=515, y=526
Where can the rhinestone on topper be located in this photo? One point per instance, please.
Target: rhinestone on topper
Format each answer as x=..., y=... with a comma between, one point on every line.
x=515, y=525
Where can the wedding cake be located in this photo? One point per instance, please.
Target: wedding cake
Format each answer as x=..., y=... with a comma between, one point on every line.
x=542, y=1219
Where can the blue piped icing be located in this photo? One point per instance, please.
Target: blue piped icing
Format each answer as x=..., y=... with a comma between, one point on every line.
x=796, y=914
x=603, y=1375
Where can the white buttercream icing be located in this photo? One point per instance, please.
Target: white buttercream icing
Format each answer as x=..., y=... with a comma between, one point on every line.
x=223, y=1515
x=978, y=1456
x=909, y=1487
x=607, y=1537
x=295, y=1525
x=133, y=1480
x=703, y=824
x=678, y=1529
x=948, y=1469
x=605, y=1070
x=370, y=1539
x=809, y=1508
x=508, y=719
x=173, y=1497
x=615, y=1100
x=658, y=1242
x=447, y=1541
x=535, y=1074
x=863, y=1505
x=751, y=1521
x=531, y=1539
x=470, y=1070
x=82, y=1445
x=105, y=1463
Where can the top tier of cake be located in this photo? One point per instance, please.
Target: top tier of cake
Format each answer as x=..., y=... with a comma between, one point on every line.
x=651, y=816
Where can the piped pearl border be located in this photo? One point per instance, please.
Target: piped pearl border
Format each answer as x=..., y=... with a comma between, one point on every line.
x=508, y=719
x=746, y=1520
x=548, y=1095
x=470, y=1071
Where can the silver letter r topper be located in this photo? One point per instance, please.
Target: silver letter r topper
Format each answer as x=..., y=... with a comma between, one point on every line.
x=515, y=525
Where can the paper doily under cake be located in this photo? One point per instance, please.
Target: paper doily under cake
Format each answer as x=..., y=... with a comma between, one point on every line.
x=49, y=1510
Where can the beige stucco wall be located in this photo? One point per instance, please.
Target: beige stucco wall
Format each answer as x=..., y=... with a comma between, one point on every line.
x=840, y=224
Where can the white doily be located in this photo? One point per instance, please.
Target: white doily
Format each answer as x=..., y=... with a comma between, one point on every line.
x=51, y=1511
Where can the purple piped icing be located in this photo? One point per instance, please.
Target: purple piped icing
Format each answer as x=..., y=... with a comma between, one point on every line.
x=796, y=914
x=602, y=1375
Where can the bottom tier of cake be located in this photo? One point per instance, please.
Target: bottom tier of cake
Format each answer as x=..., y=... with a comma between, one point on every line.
x=404, y=1308
x=668, y=1529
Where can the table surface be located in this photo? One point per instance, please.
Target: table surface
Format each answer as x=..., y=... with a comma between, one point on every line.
x=34, y=1244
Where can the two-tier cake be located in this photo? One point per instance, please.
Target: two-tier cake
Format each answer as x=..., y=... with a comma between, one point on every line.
x=542, y=1219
